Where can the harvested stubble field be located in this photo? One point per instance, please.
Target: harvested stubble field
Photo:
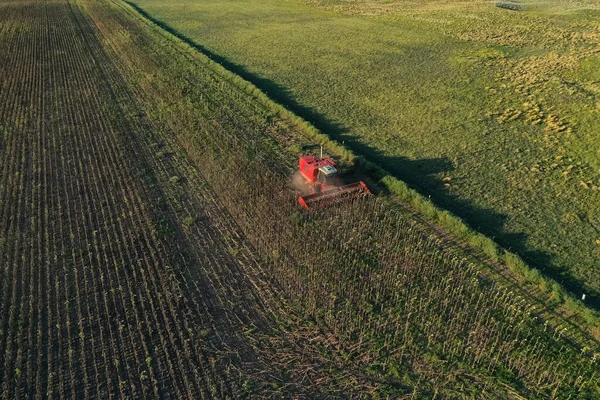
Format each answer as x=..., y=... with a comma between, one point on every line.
x=150, y=246
x=491, y=112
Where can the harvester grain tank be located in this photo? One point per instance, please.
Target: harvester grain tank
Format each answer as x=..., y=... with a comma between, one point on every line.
x=325, y=185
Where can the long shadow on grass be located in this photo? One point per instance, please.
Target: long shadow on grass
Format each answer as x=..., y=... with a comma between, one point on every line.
x=421, y=175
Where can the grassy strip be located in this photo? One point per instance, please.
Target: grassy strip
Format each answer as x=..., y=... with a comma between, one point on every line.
x=399, y=189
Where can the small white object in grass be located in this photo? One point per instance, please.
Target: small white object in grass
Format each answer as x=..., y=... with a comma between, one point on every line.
x=583, y=297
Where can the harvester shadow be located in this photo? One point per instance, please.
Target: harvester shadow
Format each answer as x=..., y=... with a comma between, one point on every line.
x=424, y=175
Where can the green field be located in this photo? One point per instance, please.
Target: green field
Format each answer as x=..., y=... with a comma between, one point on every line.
x=491, y=112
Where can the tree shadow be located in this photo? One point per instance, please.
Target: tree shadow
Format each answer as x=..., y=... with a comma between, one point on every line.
x=421, y=175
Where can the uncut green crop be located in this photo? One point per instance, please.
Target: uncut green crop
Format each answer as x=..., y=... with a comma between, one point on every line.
x=491, y=112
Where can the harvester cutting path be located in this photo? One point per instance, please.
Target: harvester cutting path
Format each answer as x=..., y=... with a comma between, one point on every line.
x=325, y=185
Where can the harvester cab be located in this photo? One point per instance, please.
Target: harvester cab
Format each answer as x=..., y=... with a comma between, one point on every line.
x=327, y=175
x=324, y=184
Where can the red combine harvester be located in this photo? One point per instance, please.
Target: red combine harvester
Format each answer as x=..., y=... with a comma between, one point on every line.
x=325, y=185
